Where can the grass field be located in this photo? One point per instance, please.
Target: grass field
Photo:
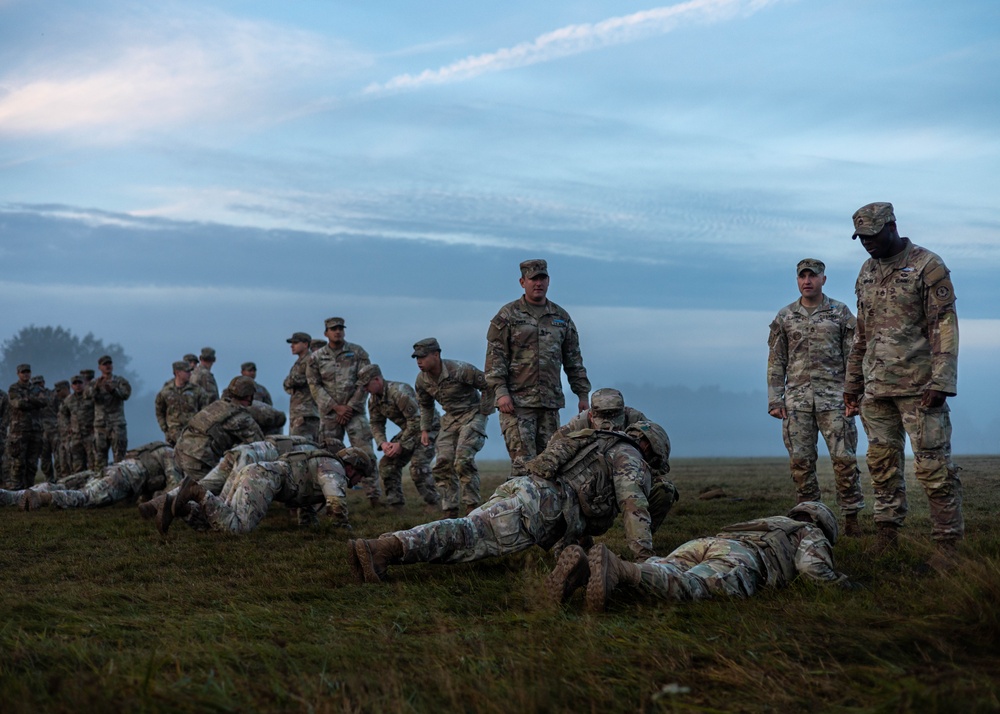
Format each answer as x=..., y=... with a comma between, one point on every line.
x=99, y=613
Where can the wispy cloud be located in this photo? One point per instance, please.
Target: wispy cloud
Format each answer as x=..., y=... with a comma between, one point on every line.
x=574, y=39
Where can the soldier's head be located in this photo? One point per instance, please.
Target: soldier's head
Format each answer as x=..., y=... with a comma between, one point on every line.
x=62, y=388
x=370, y=377
x=249, y=369
x=317, y=344
x=357, y=464
x=811, y=277
x=875, y=225
x=207, y=358
x=299, y=342
x=182, y=372
x=76, y=384
x=106, y=365
x=607, y=409
x=24, y=373
x=535, y=280
x=241, y=389
x=38, y=380
x=427, y=352
x=819, y=515
x=653, y=441
x=191, y=359
x=87, y=374
x=334, y=329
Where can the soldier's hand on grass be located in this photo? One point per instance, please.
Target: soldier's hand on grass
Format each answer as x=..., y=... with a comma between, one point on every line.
x=505, y=405
x=932, y=399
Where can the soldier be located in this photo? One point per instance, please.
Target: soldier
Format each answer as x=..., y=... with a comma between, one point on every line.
x=566, y=500
x=88, y=414
x=332, y=374
x=316, y=344
x=461, y=391
x=608, y=412
x=4, y=426
x=299, y=479
x=303, y=416
x=61, y=454
x=397, y=402
x=904, y=361
x=192, y=360
x=528, y=342
x=178, y=401
x=143, y=472
x=50, y=439
x=202, y=374
x=217, y=428
x=808, y=347
x=78, y=413
x=109, y=392
x=767, y=552
x=24, y=438
x=249, y=369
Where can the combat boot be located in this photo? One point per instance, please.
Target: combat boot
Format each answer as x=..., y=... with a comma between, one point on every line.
x=886, y=539
x=945, y=557
x=375, y=556
x=451, y=513
x=852, y=529
x=33, y=500
x=354, y=563
x=189, y=490
x=148, y=509
x=571, y=572
x=165, y=514
x=607, y=571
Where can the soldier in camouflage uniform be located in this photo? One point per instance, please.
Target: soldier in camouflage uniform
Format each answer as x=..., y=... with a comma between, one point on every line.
x=50, y=439
x=192, y=360
x=72, y=481
x=528, y=341
x=460, y=389
x=178, y=401
x=88, y=414
x=109, y=393
x=24, y=438
x=78, y=412
x=332, y=374
x=807, y=358
x=4, y=426
x=303, y=416
x=202, y=374
x=767, y=552
x=397, y=402
x=904, y=363
x=61, y=456
x=575, y=489
x=300, y=479
x=249, y=369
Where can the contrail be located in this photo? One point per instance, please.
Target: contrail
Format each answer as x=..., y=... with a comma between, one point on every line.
x=574, y=39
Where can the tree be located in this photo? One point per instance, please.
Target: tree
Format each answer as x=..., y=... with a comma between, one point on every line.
x=56, y=353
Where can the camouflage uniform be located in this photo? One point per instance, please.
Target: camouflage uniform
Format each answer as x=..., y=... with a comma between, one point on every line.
x=203, y=377
x=526, y=347
x=78, y=410
x=64, y=464
x=211, y=432
x=907, y=343
x=110, y=430
x=176, y=405
x=50, y=435
x=807, y=358
x=143, y=472
x=460, y=389
x=4, y=426
x=24, y=440
x=303, y=416
x=72, y=481
x=332, y=375
x=398, y=403
x=270, y=420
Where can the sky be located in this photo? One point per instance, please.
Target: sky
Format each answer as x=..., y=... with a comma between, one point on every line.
x=224, y=173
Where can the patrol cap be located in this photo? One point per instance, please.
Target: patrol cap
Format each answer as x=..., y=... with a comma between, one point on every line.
x=817, y=266
x=85, y=373
x=38, y=379
x=23, y=368
x=368, y=373
x=317, y=344
x=299, y=337
x=247, y=366
x=332, y=322
x=104, y=359
x=208, y=354
x=62, y=383
x=182, y=366
x=607, y=399
x=869, y=219
x=242, y=387
x=425, y=347
x=533, y=268
x=77, y=379
x=191, y=357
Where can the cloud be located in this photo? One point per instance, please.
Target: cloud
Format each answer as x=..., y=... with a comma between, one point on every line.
x=575, y=39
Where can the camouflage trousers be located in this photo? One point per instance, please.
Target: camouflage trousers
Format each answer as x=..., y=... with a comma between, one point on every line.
x=419, y=458
x=703, y=568
x=526, y=432
x=455, y=471
x=886, y=421
x=23, y=450
x=49, y=456
x=359, y=432
x=73, y=481
x=118, y=482
x=521, y=513
x=113, y=437
x=800, y=430
x=307, y=426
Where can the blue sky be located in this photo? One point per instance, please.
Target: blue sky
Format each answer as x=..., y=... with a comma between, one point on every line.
x=226, y=173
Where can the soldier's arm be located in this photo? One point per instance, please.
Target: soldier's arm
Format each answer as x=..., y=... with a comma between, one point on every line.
x=357, y=400
x=333, y=483
x=377, y=420
x=814, y=559
x=161, y=412
x=572, y=358
x=854, y=381
x=245, y=428
x=498, y=356
x=315, y=381
x=408, y=407
x=426, y=403
x=122, y=389
x=777, y=365
x=942, y=329
x=632, y=479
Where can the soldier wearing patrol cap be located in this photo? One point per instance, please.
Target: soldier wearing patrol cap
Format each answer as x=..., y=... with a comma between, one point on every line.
x=78, y=412
x=249, y=369
x=303, y=416
x=202, y=374
x=24, y=438
x=808, y=345
x=904, y=362
x=178, y=401
x=332, y=374
x=528, y=342
x=109, y=392
x=50, y=437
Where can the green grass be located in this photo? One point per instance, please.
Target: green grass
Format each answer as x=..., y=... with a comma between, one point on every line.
x=99, y=613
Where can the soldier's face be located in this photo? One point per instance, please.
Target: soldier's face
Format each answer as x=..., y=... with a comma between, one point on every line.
x=374, y=385
x=883, y=244
x=77, y=387
x=24, y=377
x=430, y=362
x=535, y=289
x=182, y=377
x=810, y=284
x=106, y=369
x=299, y=347
x=335, y=335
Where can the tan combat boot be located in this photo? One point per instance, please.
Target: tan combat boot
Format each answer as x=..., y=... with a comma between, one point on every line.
x=148, y=509
x=607, y=571
x=375, y=556
x=33, y=500
x=886, y=539
x=189, y=490
x=945, y=557
x=571, y=572
x=852, y=529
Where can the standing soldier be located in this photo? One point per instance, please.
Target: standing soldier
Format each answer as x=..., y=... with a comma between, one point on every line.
x=178, y=401
x=332, y=373
x=807, y=359
x=50, y=438
x=64, y=465
x=78, y=412
x=88, y=378
x=397, y=402
x=905, y=363
x=192, y=360
x=460, y=389
x=24, y=441
x=303, y=417
x=202, y=374
x=59, y=394
x=249, y=369
x=109, y=392
x=4, y=426
x=528, y=342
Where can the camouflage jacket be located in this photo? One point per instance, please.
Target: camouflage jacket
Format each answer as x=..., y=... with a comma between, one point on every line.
x=907, y=336
x=269, y=419
x=807, y=356
x=176, y=405
x=4, y=416
x=50, y=412
x=80, y=412
x=157, y=458
x=215, y=429
x=206, y=380
x=262, y=395
x=301, y=402
x=398, y=403
x=333, y=377
x=460, y=389
x=109, y=395
x=582, y=421
x=524, y=355
x=26, y=404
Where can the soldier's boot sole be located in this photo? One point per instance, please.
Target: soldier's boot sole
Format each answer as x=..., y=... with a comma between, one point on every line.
x=189, y=490
x=571, y=572
x=29, y=501
x=165, y=515
x=357, y=572
x=369, y=570
x=598, y=585
x=148, y=509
